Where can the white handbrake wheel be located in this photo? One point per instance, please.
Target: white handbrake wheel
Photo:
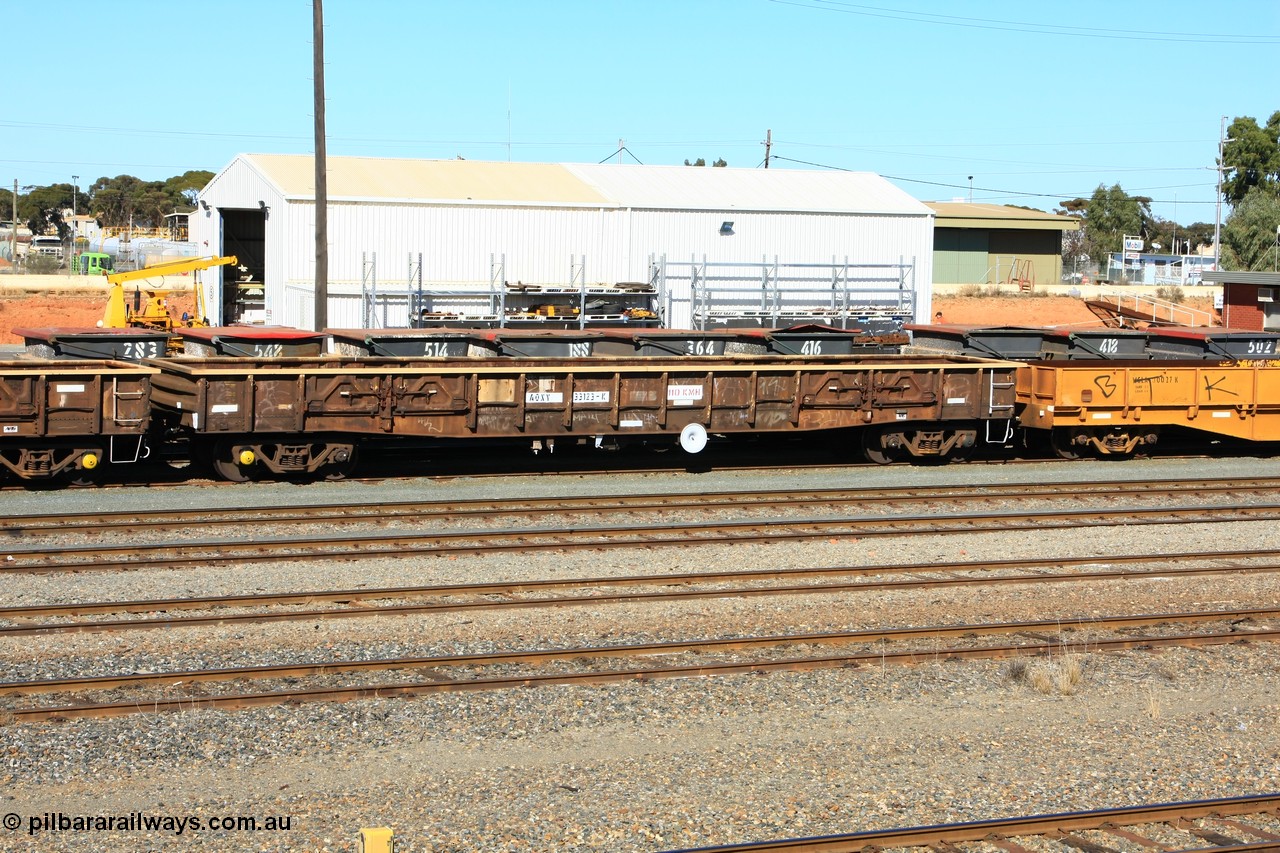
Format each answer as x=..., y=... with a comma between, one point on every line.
x=693, y=438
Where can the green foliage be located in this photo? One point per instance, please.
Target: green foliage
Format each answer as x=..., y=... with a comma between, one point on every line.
x=1251, y=158
x=124, y=198
x=1249, y=234
x=1171, y=294
x=1111, y=214
x=41, y=208
x=42, y=264
x=113, y=201
x=699, y=162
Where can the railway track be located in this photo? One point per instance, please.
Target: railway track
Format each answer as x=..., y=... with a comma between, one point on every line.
x=432, y=511
x=186, y=553
x=1228, y=824
x=349, y=603
x=1041, y=637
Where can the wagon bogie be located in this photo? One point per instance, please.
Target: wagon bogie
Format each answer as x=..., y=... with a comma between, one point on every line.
x=242, y=458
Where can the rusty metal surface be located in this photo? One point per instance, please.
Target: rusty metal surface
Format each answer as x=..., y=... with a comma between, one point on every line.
x=73, y=398
x=610, y=342
x=128, y=344
x=505, y=397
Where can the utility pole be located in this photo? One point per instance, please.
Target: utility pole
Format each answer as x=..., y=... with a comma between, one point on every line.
x=71, y=262
x=13, y=234
x=322, y=187
x=768, y=144
x=1217, y=221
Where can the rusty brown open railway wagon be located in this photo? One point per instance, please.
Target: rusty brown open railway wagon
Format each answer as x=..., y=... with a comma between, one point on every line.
x=307, y=415
x=65, y=419
x=247, y=416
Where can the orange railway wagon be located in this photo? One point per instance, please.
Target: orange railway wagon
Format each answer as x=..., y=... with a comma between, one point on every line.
x=1116, y=407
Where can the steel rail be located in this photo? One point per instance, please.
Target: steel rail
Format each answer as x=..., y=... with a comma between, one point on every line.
x=1035, y=628
x=382, y=545
x=340, y=694
x=345, y=596
x=1053, y=827
x=62, y=523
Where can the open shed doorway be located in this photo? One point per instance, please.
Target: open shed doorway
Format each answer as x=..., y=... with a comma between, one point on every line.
x=244, y=234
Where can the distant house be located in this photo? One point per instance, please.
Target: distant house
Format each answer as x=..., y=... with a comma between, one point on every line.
x=1250, y=300
x=997, y=244
x=1155, y=268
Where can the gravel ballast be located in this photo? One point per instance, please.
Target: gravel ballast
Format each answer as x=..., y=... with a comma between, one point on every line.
x=650, y=766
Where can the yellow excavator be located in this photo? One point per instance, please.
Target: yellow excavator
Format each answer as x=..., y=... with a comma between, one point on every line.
x=150, y=309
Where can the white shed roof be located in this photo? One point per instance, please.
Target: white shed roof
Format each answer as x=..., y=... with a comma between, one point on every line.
x=592, y=185
x=711, y=188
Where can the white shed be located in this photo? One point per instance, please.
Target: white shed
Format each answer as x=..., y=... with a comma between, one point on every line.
x=707, y=239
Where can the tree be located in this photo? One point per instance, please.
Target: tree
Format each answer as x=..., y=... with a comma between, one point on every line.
x=1249, y=234
x=1251, y=158
x=42, y=209
x=1110, y=215
x=118, y=201
x=699, y=162
x=183, y=188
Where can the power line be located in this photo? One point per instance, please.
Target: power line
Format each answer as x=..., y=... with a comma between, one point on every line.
x=998, y=191
x=1026, y=26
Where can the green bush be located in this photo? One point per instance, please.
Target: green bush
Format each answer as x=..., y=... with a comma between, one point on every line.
x=1171, y=294
x=42, y=264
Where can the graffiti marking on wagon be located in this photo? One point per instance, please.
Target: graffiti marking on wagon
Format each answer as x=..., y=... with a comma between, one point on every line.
x=1214, y=385
x=1105, y=384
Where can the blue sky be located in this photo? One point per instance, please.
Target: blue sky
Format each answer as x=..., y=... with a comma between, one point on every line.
x=1038, y=102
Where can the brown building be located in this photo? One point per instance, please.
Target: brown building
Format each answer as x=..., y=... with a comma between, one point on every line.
x=1250, y=300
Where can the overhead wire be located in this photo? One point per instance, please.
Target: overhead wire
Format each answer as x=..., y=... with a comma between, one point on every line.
x=1128, y=34
x=999, y=191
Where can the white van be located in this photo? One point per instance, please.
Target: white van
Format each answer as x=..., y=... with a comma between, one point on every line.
x=50, y=246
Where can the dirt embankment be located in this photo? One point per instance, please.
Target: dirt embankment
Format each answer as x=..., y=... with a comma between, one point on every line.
x=1029, y=310
x=24, y=311
x=77, y=312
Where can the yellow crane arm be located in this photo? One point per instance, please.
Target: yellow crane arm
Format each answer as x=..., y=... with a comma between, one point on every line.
x=118, y=315
x=171, y=268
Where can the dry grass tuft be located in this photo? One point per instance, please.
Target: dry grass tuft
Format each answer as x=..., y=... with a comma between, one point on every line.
x=1062, y=675
x=1016, y=670
x=1153, y=708
x=1041, y=679
x=1070, y=674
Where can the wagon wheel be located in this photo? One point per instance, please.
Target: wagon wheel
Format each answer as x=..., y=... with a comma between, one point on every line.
x=873, y=447
x=959, y=453
x=87, y=473
x=81, y=477
x=1060, y=440
x=342, y=470
x=227, y=466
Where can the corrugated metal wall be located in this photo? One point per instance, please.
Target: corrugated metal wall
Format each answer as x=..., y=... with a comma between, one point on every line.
x=240, y=187
x=541, y=244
